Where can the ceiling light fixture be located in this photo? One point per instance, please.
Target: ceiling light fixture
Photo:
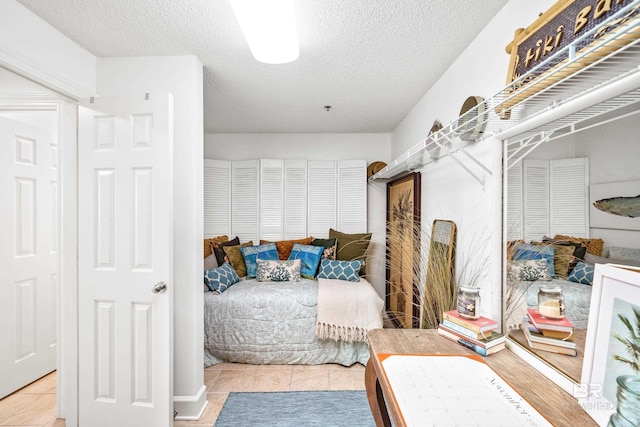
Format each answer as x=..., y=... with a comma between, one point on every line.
x=270, y=29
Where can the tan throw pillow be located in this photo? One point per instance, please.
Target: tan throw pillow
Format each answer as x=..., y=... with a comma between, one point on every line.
x=208, y=250
x=562, y=258
x=284, y=247
x=594, y=246
x=236, y=259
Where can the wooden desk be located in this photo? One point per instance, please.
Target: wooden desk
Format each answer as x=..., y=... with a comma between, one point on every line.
x=555, y=404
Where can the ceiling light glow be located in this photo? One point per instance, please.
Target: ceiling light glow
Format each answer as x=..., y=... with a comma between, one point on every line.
x=270, y=29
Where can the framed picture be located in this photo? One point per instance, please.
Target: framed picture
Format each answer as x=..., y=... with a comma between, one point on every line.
x=615, y=205
x=403, y=250
x=615, y=310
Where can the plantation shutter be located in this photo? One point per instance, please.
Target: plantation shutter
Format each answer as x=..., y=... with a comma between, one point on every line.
x=352, y=196
x=322, y=198
x=514, y=202
x=217, y=198
x=271, y=199
x=536, y=199
x=295, y=199
x=244, y=200
x=569, y=205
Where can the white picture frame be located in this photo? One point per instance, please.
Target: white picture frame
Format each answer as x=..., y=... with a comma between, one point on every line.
x=616, y=290
x=601, y=219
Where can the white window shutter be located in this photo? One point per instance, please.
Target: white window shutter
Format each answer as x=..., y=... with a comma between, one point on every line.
x=514, y=202
x=536, y=199
x=322, y=198
x=217, y=198
x=295, y=199
x=569, y=205
x=352, y=196
x=271, y=199
x=245, y=200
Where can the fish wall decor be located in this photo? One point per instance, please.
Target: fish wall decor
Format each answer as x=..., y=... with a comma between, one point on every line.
x=621, y=206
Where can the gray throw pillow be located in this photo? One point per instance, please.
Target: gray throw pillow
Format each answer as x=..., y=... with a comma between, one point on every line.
x=210, y=262
x=592, y=259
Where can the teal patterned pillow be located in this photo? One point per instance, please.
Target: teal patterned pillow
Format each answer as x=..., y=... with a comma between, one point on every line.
x=309, y=257
x=582, y=273
x=529, y=252
x=220, y=279
x=268, y=251
x=278, y=271
x=341, y=270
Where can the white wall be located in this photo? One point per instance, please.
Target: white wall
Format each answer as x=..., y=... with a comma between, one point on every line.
x=320, y=146
x=448, y=191
x=613, y=150
x=181, y=76
x=36, y=50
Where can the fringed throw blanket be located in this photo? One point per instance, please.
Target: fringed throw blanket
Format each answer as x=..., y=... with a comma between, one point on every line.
x=347, y=310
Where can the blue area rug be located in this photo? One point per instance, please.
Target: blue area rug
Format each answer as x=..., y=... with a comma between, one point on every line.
x=296, y=408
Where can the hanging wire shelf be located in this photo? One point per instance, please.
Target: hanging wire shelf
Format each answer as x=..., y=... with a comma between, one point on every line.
x=594, y=79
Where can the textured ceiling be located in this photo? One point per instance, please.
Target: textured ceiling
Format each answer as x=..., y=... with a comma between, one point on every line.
x=371, y=60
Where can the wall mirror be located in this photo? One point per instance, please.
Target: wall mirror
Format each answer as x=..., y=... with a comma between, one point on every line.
x=549, y=204
x=439, y=284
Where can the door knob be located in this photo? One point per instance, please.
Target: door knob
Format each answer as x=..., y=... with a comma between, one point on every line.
x=159, y=288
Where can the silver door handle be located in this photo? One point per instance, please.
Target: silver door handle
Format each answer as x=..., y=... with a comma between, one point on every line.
x=159, y=288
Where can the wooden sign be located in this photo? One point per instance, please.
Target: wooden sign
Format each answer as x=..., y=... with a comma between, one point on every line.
x=565, y=22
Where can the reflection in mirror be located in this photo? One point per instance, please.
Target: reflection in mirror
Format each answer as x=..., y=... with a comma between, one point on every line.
x=550, y=241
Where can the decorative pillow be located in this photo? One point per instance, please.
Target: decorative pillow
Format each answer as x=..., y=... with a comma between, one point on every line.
x=561, y=259
x=351, y=246
x=330, y=247
x=341, y=270
x=582, y=273
x=579, y=252
x=217, y=248
x=208, y=249
x=528, y=252
x=236, y=259
x=592, y=259
x=220, y=279
x=310, y=258
x=528, y=270
x=594, y=246
x=278, y=271
x=630, y=254
x=210, y=262
x=284, y=246
x=253, y=253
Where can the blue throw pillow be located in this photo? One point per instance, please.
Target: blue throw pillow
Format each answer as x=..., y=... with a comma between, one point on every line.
x=309, y=257
x=526, y=252
x=582, y=273
x=220, y=279
x=268, y=251
x=341, y=270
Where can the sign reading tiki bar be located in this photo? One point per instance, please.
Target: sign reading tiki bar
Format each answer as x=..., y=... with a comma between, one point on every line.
x=562, y=24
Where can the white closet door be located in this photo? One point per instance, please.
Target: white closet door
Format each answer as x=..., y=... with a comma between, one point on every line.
x=569, y=204
x=245, y=200
x=514, y=202
x=217, y=198
x=322, y=198
x=352, y=196
x=536, y=199
x=295, y=199
x=271, y=199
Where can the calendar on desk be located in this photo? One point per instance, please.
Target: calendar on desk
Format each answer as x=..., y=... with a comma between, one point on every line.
x=455, y=390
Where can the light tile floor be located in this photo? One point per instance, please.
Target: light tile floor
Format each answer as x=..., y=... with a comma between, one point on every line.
x=35, y=404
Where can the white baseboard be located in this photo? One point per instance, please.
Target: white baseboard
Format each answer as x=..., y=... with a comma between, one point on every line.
x=190, y=408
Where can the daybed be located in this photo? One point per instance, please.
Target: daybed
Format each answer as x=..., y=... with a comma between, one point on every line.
x=575, y=283
x=276, y=322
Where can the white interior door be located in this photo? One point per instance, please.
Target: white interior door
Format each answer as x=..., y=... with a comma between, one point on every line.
x=125, y=249
x=28, y=253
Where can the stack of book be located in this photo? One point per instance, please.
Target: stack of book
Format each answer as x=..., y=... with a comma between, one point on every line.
x=480, y=335
x=547, y=334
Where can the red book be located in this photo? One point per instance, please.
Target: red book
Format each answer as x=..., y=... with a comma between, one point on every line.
x=540, y=322
x=481, y=324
